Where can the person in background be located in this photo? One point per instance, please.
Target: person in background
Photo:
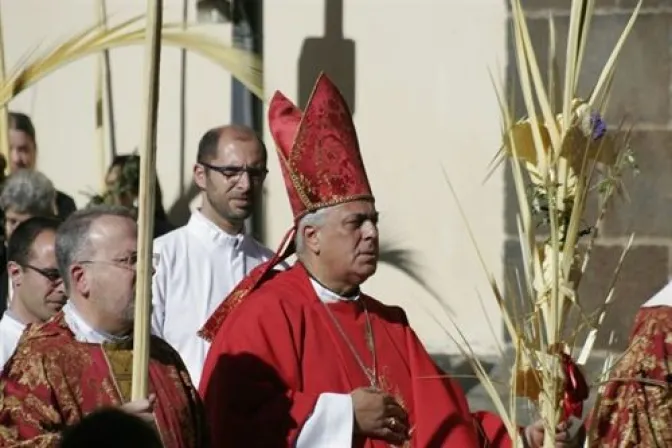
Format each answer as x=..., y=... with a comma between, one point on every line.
x=38, y=291
x=23, y=155
x=81, y=359
x=200, y=263
x=25, y=194
x=634, y=408
x=111, y=428
x=123, y=186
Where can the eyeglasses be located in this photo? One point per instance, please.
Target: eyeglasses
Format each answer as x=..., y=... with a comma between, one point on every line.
x=51, y=274
x=233, y=173
x=127, y=262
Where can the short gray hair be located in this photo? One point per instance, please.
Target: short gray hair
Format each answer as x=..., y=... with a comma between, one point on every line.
x=313, y=219
x=73, y=239
x=29, y=192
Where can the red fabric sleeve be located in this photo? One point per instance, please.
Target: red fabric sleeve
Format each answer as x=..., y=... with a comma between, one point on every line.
x=251, y=377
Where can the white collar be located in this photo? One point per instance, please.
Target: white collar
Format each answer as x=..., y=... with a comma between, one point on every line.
x=328, y=296
x=83, y=331
x=204, y=228
x=661, y=298
x=10, y=319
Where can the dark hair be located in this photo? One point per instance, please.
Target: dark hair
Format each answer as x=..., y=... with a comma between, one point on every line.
x=110, y=427
x=72, y=238
x=22, y=122
x=129, y=177
x=207, y=147
x=20, y=244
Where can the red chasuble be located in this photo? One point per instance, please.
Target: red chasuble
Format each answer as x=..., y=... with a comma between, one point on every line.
x=279, y=350
x=52, y=381
x=636, y=407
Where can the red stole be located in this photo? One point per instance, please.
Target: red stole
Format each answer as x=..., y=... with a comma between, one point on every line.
x=280, y=350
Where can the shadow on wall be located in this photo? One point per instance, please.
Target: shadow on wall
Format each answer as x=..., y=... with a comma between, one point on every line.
x=332, y=54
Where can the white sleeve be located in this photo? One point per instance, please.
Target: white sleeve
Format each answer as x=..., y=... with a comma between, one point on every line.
x=158, y=291
x=330, y=424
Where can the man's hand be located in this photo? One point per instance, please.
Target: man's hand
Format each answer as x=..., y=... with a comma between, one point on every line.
x=378, y=415
x=534, y=435
x=144, y=408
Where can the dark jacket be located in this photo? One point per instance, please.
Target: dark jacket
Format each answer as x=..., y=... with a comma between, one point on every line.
x=65, y=205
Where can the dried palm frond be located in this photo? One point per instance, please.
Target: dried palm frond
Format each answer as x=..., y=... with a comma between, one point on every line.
x=559, y=158
x=245, y=66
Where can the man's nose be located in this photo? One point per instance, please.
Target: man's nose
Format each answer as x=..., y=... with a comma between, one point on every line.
x=370, y=230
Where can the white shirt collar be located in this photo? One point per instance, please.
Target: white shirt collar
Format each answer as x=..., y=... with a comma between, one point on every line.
x=328, y=296
x=83, y=331
x=661, y=298
x=202, y=227
x=9, y=318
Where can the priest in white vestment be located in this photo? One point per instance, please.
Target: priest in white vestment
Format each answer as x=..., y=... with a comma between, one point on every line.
x=37, y=292
x=199, y=264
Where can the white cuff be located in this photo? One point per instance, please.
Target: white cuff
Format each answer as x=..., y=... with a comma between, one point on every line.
x=330, y=424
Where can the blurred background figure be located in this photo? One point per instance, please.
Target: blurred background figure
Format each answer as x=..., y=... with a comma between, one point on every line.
x=123, y=186
x=23, y=155
x=111, y=428
x=25, y=194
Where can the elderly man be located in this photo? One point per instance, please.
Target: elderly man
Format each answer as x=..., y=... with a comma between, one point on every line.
x=303, y=358
x=38, y=291
x=199, y=264
x=82, y=358
x=25, y=194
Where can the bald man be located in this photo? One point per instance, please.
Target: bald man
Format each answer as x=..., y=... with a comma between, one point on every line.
x=199, y=264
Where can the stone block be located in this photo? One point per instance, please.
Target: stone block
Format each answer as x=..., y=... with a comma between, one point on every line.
x=647, y=209
x=644, y=272
x=641, y=84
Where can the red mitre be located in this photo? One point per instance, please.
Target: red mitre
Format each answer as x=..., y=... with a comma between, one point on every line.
x=321, y=165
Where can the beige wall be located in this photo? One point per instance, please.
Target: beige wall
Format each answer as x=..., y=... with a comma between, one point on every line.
x=62, y=105
x=424, y=99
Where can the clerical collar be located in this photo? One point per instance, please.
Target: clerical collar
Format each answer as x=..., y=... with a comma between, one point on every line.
x=326, y=295
x=84, y=332
x=208, y=230
x=13, y=318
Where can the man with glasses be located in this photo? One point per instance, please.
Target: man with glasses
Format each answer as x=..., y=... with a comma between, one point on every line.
x=38, y=291
x=25, y=194
x=199, y=264
x=81, y=359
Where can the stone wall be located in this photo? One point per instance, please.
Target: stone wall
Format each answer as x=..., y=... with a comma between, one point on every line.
x=641, y=94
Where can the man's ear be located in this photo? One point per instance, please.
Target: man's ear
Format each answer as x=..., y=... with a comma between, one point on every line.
x=15, y=274
x=79, y=280
x=200, y=176
x=311, y=238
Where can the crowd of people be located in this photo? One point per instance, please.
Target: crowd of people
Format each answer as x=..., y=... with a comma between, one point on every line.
x=248, y=349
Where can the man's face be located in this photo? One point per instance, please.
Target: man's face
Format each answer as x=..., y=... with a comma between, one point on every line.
x=111, y=272
x=38, y=283
x=234, y=179
x=348, y=241
x=22, y=151
x=12, y=220
x=117, y=197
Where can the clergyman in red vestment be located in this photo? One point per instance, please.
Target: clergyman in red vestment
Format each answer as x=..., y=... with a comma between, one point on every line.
x=635, y=409
x=81, y=360
x=303, y=358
